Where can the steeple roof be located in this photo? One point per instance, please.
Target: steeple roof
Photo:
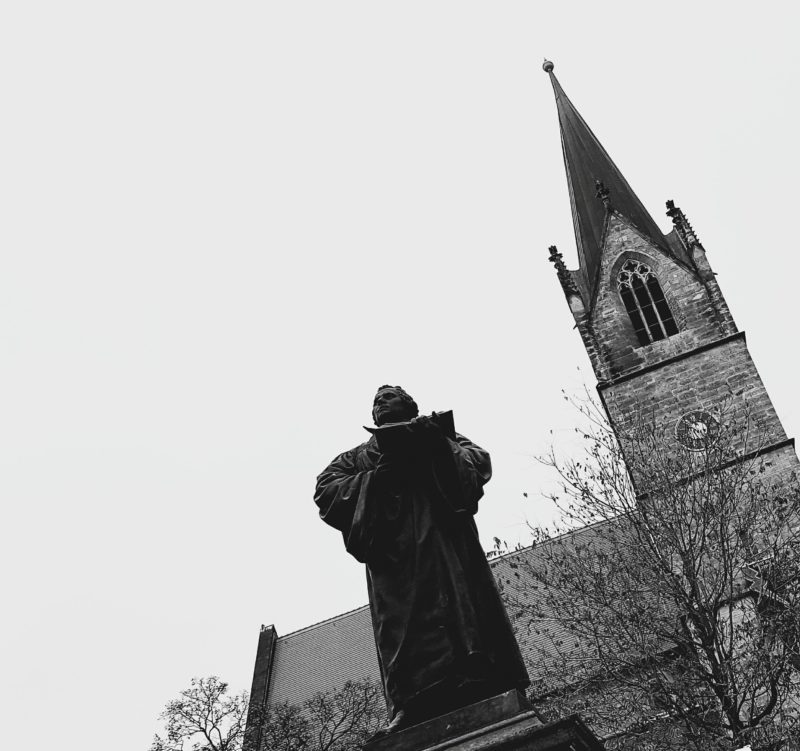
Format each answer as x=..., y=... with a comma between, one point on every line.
x=587, y=164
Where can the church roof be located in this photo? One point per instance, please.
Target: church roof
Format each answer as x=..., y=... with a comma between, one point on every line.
x=587, y=164
x=324, y=656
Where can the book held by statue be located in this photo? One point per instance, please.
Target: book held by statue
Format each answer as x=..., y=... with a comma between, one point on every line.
x=400, y=436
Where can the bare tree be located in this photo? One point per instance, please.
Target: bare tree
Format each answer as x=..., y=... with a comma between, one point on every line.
x=342, y=720
x=203, y=718
x=285, y=728
x=665, y=604
x=206, y=718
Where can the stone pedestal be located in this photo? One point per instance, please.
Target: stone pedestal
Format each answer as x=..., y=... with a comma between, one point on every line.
x=502, y=723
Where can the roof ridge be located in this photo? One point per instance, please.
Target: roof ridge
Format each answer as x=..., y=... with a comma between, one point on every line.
x=323, y=622
x=567, y=533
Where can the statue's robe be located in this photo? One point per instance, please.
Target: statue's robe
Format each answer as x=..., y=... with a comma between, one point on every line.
x=436, y=611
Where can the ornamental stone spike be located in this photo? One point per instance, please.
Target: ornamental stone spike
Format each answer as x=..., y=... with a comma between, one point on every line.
x=682, y=226
x=564, y=275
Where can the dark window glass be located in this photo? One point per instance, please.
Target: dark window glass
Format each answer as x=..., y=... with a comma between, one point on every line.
x=636, y=318
x=661, y=306
x=646, y=304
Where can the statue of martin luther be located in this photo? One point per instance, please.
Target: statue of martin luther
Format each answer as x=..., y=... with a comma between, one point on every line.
x=404, y=502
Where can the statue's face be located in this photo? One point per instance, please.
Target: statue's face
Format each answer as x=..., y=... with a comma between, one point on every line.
x=389, y=406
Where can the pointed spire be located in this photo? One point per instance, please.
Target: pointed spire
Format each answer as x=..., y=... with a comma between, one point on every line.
x=595, y=186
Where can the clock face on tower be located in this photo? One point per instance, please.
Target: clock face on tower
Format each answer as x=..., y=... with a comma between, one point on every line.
x=697, y=430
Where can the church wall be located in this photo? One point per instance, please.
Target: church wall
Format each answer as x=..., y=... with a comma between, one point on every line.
x=722, y=377
x=784, y=471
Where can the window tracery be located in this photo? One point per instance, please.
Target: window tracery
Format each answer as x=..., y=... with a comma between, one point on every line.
x=644, y=300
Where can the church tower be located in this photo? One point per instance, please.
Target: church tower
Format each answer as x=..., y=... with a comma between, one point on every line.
x=651, y=315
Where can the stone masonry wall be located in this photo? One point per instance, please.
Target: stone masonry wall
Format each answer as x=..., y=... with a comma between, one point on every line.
x=722, y=380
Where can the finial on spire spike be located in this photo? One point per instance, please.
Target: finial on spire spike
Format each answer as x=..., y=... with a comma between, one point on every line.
x=547, y=66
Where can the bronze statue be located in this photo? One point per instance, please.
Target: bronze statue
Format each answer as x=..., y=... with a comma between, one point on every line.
x=404, y=502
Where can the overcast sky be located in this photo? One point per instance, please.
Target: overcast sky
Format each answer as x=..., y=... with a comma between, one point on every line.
x=225, y=224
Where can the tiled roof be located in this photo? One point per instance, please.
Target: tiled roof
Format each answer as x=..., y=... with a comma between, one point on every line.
x=326, y=655
x=323, y=657
x=537, y=631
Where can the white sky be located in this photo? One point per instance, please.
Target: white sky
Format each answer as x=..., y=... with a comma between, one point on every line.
x=225, y=224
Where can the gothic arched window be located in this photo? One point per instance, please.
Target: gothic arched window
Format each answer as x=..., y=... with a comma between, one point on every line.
x=640, y=291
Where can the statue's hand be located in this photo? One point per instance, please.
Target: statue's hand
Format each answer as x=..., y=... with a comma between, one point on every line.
x=389, y=469
x=429, y=432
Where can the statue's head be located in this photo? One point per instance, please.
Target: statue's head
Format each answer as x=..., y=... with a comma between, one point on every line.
x=393, y=404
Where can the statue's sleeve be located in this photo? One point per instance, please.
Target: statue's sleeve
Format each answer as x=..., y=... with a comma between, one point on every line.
x=462, y=472
x=344, y=497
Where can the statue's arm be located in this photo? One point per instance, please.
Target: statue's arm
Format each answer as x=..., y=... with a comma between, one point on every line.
x=466, y=469
x=343, y=498
x=337, y=491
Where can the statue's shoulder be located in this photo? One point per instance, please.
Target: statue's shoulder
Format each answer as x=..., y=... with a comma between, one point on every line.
x=465, y=443
x=358, y=454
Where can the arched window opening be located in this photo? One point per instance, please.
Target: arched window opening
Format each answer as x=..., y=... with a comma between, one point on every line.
x=641, y=293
